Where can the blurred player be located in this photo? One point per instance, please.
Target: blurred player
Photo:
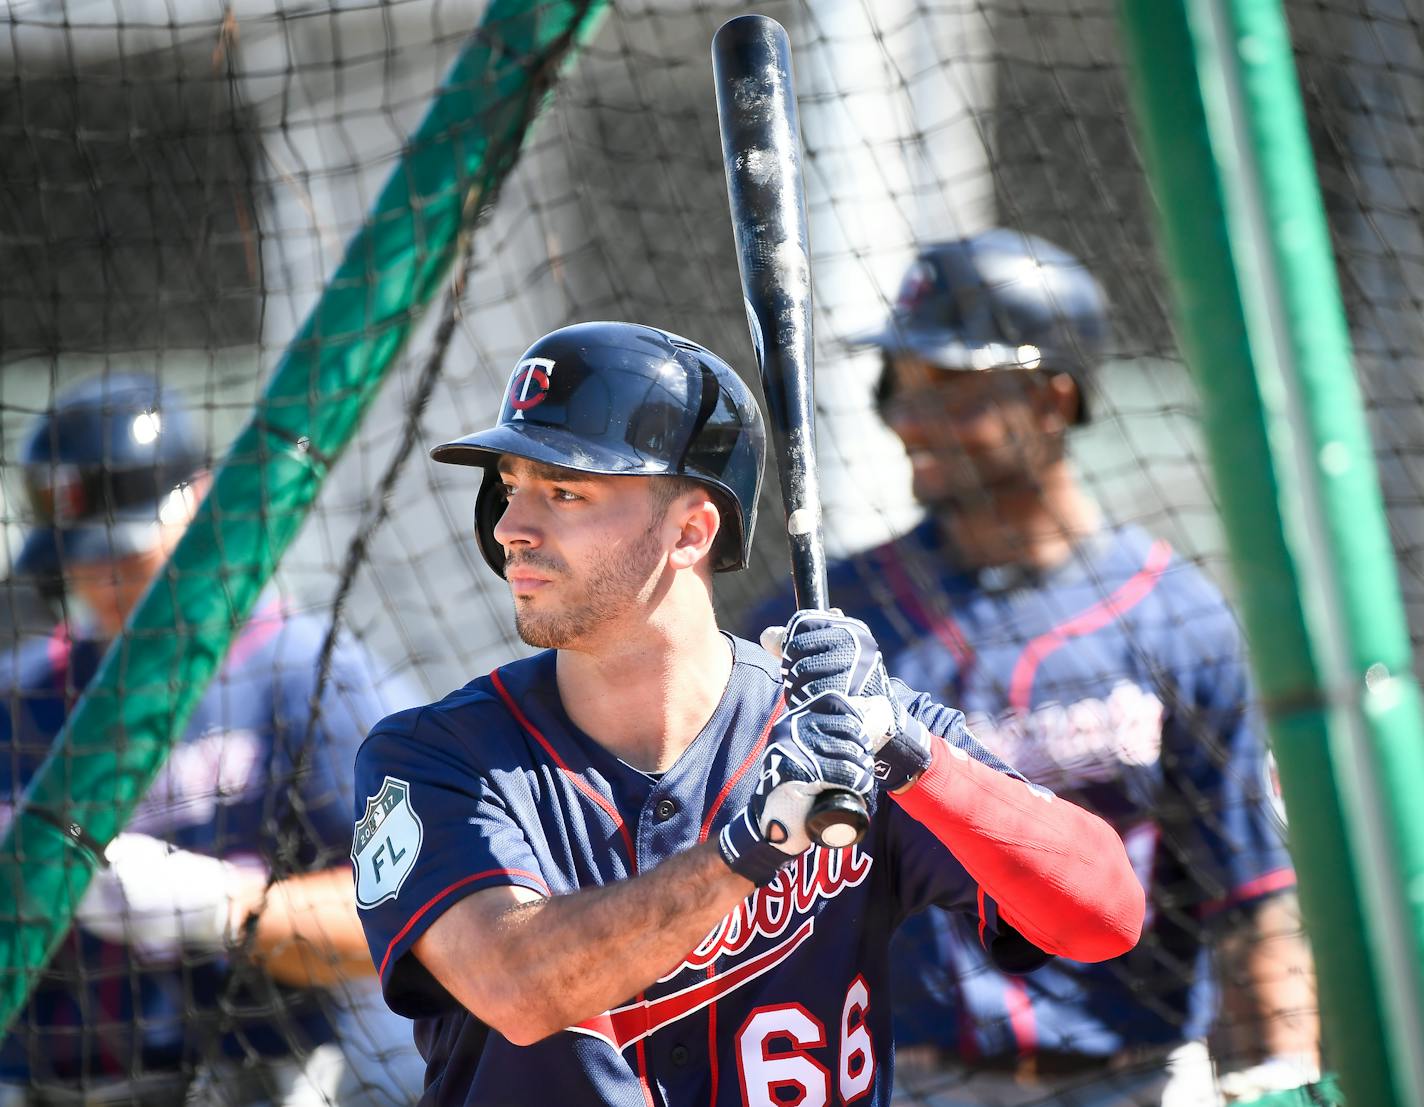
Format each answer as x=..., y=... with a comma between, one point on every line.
x=1099, y=664
x=586, y=875
x=147, y=1001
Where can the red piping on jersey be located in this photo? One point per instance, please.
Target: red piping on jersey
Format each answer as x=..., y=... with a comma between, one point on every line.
x=605, y=805
x=776, y=711
x=1021, y=1020
x=261, y=627
x=433, y=900
x=941, y=626
x=58, y=648
x=1277, y=880
x=712, y=1041
x=602, y=802
x=1126, y=597
x=983, y=921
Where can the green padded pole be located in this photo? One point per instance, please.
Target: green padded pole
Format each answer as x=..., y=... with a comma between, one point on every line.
x=121, y=730
x=1263, y=328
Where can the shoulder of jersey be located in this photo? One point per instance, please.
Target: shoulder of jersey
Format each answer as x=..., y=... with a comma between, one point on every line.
x=475, y=716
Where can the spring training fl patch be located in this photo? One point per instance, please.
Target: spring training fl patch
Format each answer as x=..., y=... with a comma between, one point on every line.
x=385, y=843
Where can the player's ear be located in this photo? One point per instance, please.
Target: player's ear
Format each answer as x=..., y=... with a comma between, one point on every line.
x=1058, y=405
x=698, y=523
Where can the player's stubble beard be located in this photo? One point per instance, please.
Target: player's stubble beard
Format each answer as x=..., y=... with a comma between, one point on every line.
x=613, y=581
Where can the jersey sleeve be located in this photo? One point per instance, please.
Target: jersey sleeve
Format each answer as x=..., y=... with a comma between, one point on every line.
x=430, y=829
x=929, y=874
x=1223, y=822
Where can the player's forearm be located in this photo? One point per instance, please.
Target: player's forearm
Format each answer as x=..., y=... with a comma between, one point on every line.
x=542, y=966
x=307, y=932
x=1059, y=874
x=1269, y=1000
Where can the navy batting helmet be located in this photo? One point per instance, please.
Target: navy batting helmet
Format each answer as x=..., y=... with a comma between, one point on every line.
x=624, y=399
x=998, y=300
x=98, y=471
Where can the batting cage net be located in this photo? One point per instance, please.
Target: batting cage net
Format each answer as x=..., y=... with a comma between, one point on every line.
x=180, y=185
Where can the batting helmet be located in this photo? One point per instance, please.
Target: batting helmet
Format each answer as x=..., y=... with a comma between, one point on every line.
x=624, y=399
x=98, y=469
x=998, y=300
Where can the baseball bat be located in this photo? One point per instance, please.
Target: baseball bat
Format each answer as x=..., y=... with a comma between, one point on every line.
x=761, y=152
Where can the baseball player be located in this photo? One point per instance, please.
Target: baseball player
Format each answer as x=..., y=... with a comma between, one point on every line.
x=149, y=1000
x=586, y=875
x=1099, y=664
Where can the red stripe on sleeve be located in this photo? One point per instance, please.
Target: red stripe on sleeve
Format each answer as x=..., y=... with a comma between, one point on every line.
x=433, y=900
x=1128, y=596
x=1059, y=874
x=1278, y=880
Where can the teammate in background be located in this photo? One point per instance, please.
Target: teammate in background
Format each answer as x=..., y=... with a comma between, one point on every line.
x=149, y=1000
x=1100, y=665
x=586, y=875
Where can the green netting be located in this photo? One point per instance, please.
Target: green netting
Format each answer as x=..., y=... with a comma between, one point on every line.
x=182, y=182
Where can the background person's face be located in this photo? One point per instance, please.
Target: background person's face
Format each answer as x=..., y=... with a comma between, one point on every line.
x=110, y=590
x=972, y=435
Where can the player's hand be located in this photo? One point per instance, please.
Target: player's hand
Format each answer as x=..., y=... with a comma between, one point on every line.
x=159, y=899
x=822, y=745
x=1275, y=1074
x=826, y=651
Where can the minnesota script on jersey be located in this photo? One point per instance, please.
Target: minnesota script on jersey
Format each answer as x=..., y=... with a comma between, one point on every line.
x=1117, y=679
x=788, y=995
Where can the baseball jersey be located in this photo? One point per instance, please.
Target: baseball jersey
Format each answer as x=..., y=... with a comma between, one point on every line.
x=232, y=783
x=1118, y=681
x=788, y=996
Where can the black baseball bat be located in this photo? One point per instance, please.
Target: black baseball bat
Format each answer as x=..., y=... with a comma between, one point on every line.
x=761, y=152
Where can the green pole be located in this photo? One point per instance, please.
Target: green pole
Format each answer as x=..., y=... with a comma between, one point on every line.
x=1263, y=328
x=121, y=730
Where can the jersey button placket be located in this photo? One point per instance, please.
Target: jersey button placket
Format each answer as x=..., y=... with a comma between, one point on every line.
x=664, y=810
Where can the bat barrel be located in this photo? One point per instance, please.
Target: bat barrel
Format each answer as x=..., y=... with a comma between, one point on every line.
x=761, y=149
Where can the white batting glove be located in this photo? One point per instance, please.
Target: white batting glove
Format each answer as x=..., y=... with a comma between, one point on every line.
x=1190, y=1080
x=1282, y=1073
x=160, y=900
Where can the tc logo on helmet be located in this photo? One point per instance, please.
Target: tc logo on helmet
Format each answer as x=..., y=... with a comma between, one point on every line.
x=529, y=386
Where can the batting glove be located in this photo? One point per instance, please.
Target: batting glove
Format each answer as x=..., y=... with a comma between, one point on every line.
x=160, y=900
x=1282, y=1073
x=1190, y=1078
x=822, y=745
x=825, y=651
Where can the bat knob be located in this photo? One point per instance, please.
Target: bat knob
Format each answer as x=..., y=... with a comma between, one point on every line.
x=838, y=819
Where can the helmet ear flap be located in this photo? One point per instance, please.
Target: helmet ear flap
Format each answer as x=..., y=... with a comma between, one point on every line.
x=489, y=507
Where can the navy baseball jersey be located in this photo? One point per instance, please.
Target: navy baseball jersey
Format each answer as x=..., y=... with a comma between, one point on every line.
x=232, y=782
x=788, y=996
x=1118, y=681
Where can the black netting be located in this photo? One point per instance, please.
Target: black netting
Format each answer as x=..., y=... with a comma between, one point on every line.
x=179, y=180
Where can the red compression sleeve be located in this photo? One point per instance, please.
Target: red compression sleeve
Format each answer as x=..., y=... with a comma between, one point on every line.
x=1059, y=874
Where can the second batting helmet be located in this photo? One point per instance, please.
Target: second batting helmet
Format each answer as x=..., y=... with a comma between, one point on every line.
x=997, y=300
x=629, y=400
x=98, y=468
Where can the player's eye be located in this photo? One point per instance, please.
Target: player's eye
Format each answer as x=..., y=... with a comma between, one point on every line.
x=563, y=495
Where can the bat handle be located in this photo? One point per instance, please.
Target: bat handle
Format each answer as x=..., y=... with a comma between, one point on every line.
x=838, y=819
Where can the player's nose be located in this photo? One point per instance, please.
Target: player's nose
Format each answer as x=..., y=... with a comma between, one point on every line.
x=517, y=526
